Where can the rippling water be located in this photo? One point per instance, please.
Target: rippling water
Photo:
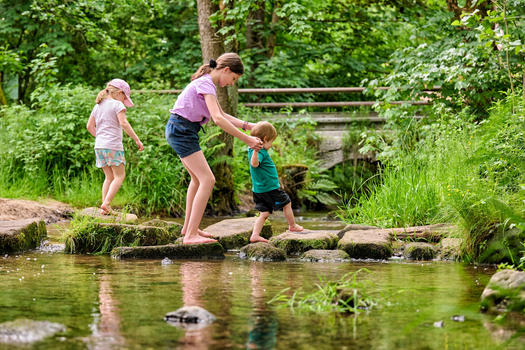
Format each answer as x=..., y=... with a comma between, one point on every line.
x=106, y=303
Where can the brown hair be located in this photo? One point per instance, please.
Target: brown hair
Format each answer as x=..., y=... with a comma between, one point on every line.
x=229, y=59
x=105, y=93
x=264, y=130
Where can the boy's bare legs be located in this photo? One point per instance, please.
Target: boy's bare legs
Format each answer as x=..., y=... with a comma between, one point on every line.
x=257, y=228
x=190, y=195
x=288, y=214
x=199, y=170
x=119, y=174
x=105, y=186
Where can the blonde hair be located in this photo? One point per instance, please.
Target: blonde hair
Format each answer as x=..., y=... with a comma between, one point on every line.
x=105, y=93
x=229, y=59
x=264, y=130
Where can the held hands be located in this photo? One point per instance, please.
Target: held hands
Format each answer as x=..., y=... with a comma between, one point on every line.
x=139, y=145
x=254, y=143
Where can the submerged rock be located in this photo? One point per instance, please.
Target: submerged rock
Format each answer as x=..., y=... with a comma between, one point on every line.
x=297, y=243
x=235, y=233
x=24, y=331
x=325, y=255
x=261, y=251
x=115, y=216
x=171, y=251
x=504, y=292
x=419, y=251
x=367, y=244
x=21, y=235
x=190, y=318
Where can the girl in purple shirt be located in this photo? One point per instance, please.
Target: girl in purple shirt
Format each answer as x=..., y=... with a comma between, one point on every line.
x=196, y=104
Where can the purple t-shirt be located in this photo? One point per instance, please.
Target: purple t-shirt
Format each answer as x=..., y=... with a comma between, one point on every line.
x=191, y=104
x=109, y=131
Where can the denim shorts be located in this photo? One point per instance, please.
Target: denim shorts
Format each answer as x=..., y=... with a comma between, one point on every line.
x=183, y=135
x=108, y=157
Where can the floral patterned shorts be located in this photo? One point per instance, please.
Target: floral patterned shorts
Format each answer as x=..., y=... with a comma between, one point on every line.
x=109, y=157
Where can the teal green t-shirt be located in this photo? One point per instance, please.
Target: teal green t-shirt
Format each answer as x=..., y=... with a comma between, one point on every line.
x=264, y=177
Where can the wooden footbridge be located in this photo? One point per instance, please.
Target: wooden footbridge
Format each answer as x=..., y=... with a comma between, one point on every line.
x=331, y=126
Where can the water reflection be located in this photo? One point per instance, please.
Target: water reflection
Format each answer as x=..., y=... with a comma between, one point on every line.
x=264, y=332
x=106, y=334
x=192, y=273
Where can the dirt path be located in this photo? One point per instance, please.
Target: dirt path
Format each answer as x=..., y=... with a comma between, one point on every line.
x=50, y=211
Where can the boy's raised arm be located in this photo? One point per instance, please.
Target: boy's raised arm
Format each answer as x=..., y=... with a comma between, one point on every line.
x=254, y=161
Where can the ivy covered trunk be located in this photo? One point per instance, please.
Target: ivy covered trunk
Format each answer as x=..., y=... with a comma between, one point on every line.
x=223, y=196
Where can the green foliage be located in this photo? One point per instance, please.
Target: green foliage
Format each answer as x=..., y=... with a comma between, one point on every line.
x=346, y=295
x=472, y=174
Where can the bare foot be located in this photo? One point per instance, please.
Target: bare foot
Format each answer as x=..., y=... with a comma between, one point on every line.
x=256, y=239
x=295, y=228
x=105, y=209
x=198, y=240
x=201, y=233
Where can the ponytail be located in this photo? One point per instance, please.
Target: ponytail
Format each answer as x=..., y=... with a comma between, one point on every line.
x=229, y=59
x=105, y=93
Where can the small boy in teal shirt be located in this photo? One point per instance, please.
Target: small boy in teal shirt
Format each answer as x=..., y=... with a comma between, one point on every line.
x=267, y=193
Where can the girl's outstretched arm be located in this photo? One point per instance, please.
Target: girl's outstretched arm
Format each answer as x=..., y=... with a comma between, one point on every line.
x=128, y=129
x=226, y=125
x=241, y=124
x=91, y=126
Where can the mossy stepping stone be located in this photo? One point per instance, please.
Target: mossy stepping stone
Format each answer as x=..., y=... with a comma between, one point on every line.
x=419, y=251
x=115, y=216
x=323, y=255
x=235, y=233
x=261, y=251
x=173, y=227
x=367, y=244
x=171, y=251
x=450, y=248
x=297, y=243
x=21, y=235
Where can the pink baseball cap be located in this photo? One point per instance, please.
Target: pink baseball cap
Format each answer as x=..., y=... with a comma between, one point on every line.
x=122, y=85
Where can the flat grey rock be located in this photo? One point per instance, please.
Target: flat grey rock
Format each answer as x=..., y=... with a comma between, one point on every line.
x=320, y=255
x=367, y=244
x=21, y=235
x=115, y=216
x=261, y=251
x=190, y=318
x=505, y=292
x=235, y=233
x=299, y=242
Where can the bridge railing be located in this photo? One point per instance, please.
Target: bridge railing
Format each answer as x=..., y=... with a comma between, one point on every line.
x=317, y=90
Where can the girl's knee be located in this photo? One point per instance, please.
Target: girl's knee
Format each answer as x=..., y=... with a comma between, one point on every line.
x=264, y=215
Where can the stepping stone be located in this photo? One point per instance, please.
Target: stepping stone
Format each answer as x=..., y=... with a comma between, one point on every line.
x=419, y=251
x=367, y=244
x=190, y=318
x=428, y=233
x=450, y=248
x=353, y=227
x=320, y=255
x=94, y=237
x=173, y=227
x=261, y=251
x=504, y=292
x=297, y=243
x=23, y=332
x=171, y=251
x=235, y=233
x=115, y=216
x=21, y=235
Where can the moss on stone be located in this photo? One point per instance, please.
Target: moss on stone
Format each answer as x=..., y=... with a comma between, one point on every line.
x=27, y=236
x=298, y=246
x=95, y=237
x=367, y=250
x=261, y=251
x=171, y=251
x=173, y=227
x=419, y=251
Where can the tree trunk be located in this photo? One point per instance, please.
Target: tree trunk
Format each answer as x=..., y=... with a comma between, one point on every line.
x=223, y=200
x=3, y=100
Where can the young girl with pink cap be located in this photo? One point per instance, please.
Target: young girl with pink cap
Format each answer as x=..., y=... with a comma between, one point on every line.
x=105, y=123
